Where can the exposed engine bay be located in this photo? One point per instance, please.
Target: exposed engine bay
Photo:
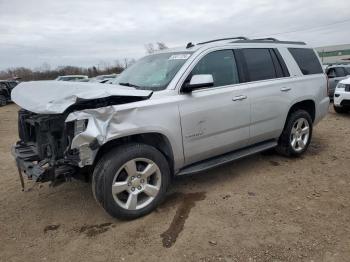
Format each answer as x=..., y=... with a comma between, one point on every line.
x=43, y=151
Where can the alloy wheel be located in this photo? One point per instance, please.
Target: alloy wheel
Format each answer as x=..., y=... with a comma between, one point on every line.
x=300, y=134
x=136, y=184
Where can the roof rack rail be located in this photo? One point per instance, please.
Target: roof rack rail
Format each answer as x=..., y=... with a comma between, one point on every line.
x=222, y=39
x=269, y=39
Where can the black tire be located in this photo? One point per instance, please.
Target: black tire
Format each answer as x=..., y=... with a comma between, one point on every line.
x=284, y=143
x=340, y=110
x=108, y=166
x=3, y=100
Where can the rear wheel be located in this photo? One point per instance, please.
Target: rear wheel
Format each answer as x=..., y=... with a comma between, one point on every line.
x=340, y=110
x=131, y=180
x=296, y=135
x=2, y=100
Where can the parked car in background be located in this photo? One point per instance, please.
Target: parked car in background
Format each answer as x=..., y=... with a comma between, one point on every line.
x=71, y=78
x=103, y=78
x=335, y=74
x=5, y=91
x=94, y=80
x=177, y=112
x=107, y=81
x=342, y=96
x=83, y=80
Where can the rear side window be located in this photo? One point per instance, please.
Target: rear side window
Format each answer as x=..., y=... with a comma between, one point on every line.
x=221, y=65
x=347, y=70
x=306, y=60
x=340, y=71
x=259, y=64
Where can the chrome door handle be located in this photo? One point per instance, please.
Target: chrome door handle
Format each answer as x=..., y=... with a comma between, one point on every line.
x=286, y=89
x=239, y=98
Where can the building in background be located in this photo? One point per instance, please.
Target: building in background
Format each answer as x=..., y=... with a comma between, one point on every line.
x=336, y=54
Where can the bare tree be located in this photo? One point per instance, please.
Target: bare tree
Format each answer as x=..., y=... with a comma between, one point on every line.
x=128, y=62
x=149, y=48
x=161, y=46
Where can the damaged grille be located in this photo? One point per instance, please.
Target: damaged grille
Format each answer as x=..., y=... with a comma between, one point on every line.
x=47, y=133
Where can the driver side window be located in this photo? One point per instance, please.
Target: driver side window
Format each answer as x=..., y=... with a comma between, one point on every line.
x=221, y=65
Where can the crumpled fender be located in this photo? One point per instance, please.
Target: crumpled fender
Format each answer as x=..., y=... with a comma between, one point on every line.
x=112, y=122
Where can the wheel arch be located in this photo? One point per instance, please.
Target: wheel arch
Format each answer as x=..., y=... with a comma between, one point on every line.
x=308, y=105
x=155, y=139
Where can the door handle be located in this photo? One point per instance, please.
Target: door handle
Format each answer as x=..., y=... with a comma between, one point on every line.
x=239, y=98
x=286, y=89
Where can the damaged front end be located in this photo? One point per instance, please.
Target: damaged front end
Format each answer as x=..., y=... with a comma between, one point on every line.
x=50, y=148
x=43, y=152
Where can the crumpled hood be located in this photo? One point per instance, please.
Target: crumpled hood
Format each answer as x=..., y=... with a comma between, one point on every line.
x=54, y=97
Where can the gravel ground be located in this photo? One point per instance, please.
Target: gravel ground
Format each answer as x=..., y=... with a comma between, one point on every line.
x=262, y=208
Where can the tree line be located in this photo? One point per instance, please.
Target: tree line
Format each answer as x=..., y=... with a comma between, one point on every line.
x=44, y=72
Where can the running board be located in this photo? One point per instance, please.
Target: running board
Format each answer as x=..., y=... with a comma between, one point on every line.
x=226, y=158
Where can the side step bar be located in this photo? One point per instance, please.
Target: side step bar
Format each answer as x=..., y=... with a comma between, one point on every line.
x=226, y=158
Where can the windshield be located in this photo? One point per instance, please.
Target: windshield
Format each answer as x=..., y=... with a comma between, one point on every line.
x=153, y=72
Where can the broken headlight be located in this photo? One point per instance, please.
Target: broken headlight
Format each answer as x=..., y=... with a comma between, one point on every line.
x=80, y=126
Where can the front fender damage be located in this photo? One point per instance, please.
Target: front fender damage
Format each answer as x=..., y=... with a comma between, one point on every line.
x=51, y=149
x=103, y=125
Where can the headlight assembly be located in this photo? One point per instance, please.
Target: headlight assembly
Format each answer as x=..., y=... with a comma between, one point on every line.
x=340, y=86
x=80, y=126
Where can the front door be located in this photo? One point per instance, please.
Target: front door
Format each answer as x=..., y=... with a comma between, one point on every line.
x=215, y=120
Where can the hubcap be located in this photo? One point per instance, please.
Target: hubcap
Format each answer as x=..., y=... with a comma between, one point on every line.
x=136, y=184
x=300, y=134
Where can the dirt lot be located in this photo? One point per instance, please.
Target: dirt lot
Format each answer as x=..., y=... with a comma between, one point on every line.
x=262, y=208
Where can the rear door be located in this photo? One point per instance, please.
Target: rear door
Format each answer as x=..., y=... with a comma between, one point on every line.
x=215, y=120
x=269, y=89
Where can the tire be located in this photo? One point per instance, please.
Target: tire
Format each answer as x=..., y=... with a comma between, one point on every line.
x=133, y=169
x=339, y=110
x=2, y=100
x=295, y=137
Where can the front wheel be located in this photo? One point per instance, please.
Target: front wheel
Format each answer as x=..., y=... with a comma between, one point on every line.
x=131, y=180
x=296, y=135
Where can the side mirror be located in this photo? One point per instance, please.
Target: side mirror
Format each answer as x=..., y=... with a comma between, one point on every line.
x=198, y=81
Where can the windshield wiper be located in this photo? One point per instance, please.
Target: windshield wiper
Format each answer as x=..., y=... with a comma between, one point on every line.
x=129, y=84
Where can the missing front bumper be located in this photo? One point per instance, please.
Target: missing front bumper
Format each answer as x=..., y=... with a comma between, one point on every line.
x=28, y=163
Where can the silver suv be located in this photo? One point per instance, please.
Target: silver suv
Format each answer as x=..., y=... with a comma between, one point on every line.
x=180, y=111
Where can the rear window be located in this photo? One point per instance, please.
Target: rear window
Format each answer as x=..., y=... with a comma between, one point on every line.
x=259, y=64
x=347, y=70
x=340, y=71
x=306, y=60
